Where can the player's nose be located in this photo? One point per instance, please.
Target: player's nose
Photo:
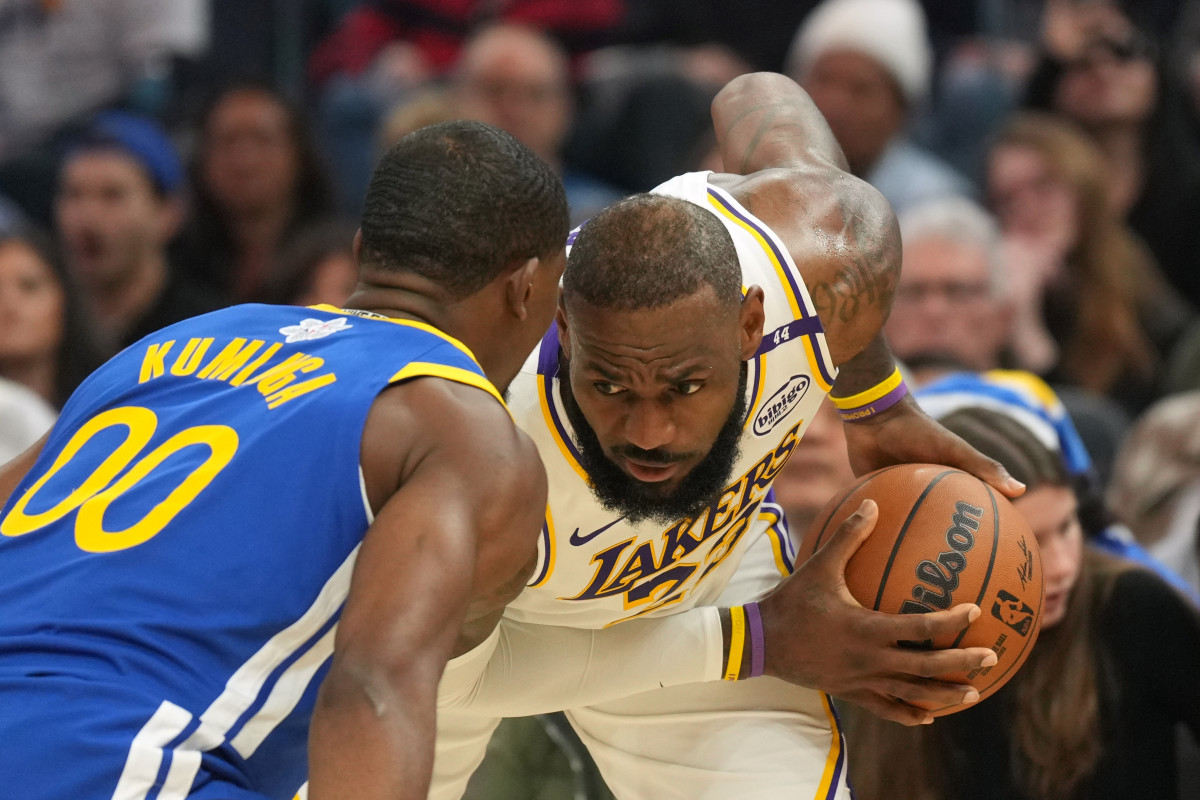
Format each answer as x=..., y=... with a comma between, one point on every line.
x=649, y=424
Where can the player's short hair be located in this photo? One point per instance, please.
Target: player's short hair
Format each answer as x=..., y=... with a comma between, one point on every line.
x=457, y=202
x=647, y=251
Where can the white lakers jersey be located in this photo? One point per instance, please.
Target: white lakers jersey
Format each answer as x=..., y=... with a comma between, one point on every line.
x=596, y=568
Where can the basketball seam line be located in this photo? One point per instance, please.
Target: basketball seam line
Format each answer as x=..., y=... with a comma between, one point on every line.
x=904, y=531
x=987, y=576
x=999, y=679
x=845, y=497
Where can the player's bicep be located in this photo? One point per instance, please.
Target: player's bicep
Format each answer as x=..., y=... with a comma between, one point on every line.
x=468, y=499
x=412, y=578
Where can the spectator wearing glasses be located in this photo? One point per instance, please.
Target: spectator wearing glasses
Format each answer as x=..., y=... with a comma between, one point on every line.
x=1104, y=74
x=1091, y=307
x=952, y=309
x=961, y=306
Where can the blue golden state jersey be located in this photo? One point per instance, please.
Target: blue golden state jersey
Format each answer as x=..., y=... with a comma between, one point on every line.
x=595, y=567
x=173, y=567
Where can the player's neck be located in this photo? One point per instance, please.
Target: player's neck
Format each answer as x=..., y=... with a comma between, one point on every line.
x=477, y=320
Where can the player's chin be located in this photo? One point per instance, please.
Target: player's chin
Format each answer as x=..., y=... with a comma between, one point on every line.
x=653, y=491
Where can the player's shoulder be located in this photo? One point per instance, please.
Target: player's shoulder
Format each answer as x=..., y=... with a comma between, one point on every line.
x=798, y=197
x=473, y=430
x=442, y=408
x=843, y=237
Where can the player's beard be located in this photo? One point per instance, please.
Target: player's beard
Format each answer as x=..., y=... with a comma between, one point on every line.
x=637, y=500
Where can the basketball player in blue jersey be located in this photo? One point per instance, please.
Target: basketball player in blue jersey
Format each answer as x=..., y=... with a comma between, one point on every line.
x=261, y=501
x=699, y=328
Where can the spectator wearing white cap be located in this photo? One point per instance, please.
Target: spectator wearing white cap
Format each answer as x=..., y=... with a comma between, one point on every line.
x=867, y=65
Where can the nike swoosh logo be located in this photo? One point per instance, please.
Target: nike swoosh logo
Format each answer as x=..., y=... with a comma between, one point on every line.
x=578, y=540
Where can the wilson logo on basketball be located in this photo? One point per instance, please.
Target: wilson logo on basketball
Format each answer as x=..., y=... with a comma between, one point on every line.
x=780, y=404
x=939, y=579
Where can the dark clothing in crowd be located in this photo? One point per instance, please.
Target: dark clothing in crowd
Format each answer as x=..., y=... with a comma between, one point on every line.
x=1164, y=213
x=1150, y=637
x=181, y=299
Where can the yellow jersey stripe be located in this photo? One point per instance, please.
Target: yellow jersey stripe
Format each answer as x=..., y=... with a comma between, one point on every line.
x=411, y=323
x=425, y=369
x=547, y=560
x=835, y=761
x=759, y=372
x=775, y=534
x=797, y=304
x=545, y=386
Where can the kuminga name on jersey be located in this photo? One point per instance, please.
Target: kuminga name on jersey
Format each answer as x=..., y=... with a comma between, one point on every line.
x=175, y=563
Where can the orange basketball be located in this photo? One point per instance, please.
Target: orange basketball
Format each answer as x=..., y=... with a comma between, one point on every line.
x=942, y=538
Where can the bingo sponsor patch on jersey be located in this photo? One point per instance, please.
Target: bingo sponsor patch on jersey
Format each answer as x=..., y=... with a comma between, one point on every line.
x=780, y=404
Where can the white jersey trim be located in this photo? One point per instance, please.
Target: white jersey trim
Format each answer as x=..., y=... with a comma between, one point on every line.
x=146, y=751
x=242, y=692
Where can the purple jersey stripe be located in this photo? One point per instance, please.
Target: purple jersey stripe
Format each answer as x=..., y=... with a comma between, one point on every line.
x=779, y=530
x=574, y=234
x=548, y=370
x=841, y=759
x=787, y=546
x=793, y=330
x=558, y=424
x=548, y=354
x=546, y=545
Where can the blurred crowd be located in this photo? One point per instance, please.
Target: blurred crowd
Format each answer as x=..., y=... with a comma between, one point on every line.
x=162, y=158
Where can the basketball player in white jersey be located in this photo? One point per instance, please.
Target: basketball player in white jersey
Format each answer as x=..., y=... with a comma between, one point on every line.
x=699, y=328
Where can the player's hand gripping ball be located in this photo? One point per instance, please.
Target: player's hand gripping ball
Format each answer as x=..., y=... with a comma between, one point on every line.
x=944, y=537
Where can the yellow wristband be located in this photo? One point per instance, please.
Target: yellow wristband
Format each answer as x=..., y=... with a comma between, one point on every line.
x=737, y=640
x=868, y=396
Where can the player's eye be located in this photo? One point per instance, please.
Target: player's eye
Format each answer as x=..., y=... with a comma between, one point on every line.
x=688, y=387
x=607, y=389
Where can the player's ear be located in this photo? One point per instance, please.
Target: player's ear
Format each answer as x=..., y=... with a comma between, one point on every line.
x=751, y=321
x=519, y=287
x=357, y=248
x=560, y=320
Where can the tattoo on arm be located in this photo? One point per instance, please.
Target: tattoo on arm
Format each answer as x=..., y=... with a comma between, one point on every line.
x=785, y=130
x=774, y=116
x=869, y=273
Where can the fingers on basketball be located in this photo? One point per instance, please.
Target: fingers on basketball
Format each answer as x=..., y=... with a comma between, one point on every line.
x=942, y=538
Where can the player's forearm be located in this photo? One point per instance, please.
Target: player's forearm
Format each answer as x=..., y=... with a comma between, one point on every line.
x=873, y=365
x=537, y=669
x=764, y=120
x=370, y=742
